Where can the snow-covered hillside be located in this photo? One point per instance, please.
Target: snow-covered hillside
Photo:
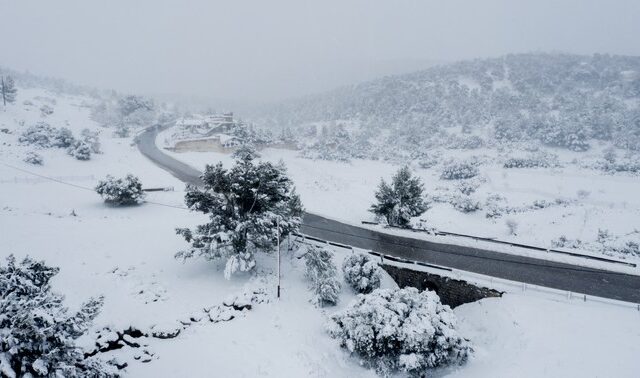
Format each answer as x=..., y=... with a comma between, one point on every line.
x=126, y=254
x=567, y=101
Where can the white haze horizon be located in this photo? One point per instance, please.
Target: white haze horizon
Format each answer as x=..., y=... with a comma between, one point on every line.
x=256, y=51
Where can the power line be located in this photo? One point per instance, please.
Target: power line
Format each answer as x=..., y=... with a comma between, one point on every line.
x=47, y=177
x=83, y=187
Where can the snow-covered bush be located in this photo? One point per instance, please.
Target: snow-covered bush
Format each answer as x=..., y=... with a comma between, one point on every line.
x=122, y=131
x=37, y=333
x=401, y=200
x=612, y=164
x=538, y=160
x=249, y=206
x=458, y=170
x=428, y=161
x=465, y=142
x=46, y=110
x=321, y=272
x=468, y=187
x=33, y=158
x=361, y=272
x=401, y=329
x=41, y=134
x=496, y=206
x=80, y=150
x=465, y=204
x=563, y=242
x=121, y=191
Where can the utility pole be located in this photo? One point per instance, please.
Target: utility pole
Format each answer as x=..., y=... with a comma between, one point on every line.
x=278, y=236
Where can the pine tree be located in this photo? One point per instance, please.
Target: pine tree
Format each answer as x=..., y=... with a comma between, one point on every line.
x=321, y=272
x=8, y=89
x=63, y=138
x=37, y=333
x=246, y=205
x=402, y=200
x=80, y=150
x=246, y=151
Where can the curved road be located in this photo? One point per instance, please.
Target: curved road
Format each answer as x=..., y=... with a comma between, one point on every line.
x=556, y=275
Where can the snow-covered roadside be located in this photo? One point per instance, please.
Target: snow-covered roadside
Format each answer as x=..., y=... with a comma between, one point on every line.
x=344, y=192
x=530, y=335
x=127, y=255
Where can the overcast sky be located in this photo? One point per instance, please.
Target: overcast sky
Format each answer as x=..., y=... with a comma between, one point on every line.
x=271, y=49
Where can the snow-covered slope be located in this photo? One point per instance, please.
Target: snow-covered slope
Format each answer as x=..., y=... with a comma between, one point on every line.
x=127, y=253
x=569, y=101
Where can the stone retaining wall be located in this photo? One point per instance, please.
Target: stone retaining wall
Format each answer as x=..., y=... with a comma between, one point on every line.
x=452, y=292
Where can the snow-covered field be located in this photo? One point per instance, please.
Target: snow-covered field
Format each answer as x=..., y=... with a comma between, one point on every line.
x=588, y=199
x=126, y=254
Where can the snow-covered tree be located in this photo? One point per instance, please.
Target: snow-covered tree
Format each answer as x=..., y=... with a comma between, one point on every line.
x=401, y=200
x=401, y=329
x=361, y=272
x=8, y=90
x=37, y=333
x=245, y=205
x=63, y=138
x=80, y=150
x=121, y=191
x=245, y=151
x=129, y=105
x=321, y=271
x=92, y=139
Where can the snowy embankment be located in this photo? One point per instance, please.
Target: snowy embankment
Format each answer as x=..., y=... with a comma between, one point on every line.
x=126, y=254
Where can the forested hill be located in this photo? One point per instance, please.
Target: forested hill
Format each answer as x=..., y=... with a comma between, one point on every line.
x=556, y=99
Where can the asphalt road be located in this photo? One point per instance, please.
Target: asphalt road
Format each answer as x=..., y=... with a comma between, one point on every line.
x=518, y=268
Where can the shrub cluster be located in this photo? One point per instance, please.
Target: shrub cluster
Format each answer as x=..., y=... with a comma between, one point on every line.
x=33, y=158
x=458, y=170
x=539, y=160
x=43, y=135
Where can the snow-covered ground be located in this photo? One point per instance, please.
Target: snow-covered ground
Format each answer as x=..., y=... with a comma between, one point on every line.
x=589, y=200
x=126, y=254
